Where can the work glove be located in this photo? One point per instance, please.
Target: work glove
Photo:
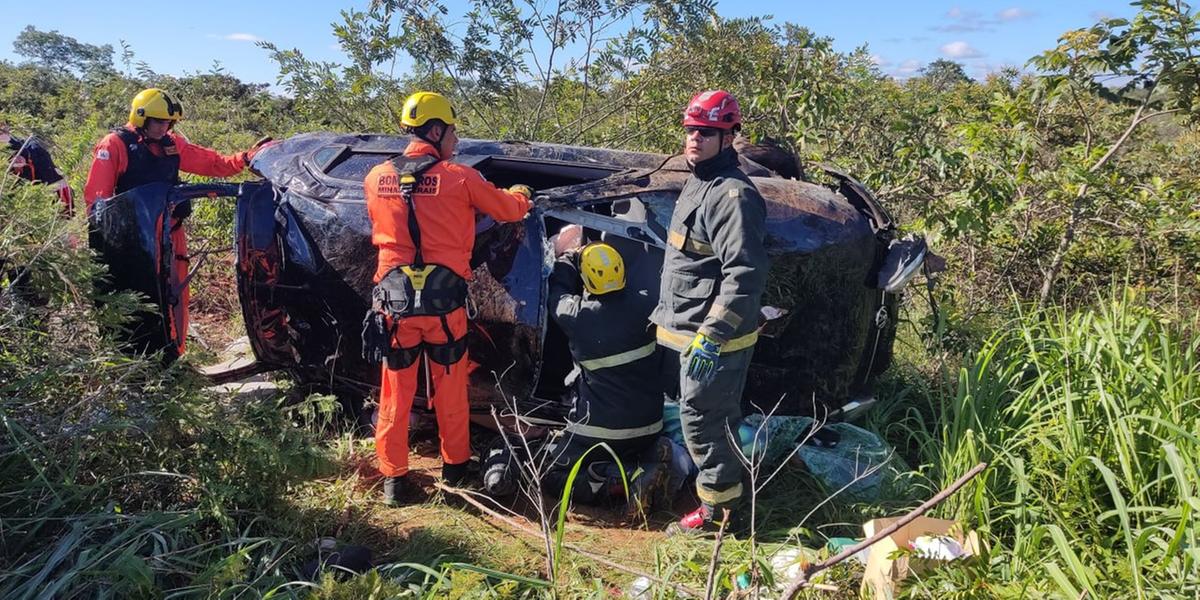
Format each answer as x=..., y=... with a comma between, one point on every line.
x=262, y=142
x=376, y=339
x=523, y=189
x=703, y=355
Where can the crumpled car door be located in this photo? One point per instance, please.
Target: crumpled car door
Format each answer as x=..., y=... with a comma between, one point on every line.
x=135, y=236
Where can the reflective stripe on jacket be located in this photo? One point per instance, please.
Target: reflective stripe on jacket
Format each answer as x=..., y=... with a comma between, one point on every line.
x=613, y=346
x=715, y=266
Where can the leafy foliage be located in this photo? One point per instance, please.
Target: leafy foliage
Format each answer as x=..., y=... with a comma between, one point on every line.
x=1049, y=186
x=1089, y=422
x=57, y=51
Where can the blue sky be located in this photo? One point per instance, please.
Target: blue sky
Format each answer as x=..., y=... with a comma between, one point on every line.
x=903, y=36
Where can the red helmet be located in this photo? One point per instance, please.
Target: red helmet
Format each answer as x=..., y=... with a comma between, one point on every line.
x=714, y=108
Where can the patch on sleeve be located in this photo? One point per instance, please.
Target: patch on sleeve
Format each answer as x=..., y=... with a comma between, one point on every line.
x=102, y=154
x=734, y=193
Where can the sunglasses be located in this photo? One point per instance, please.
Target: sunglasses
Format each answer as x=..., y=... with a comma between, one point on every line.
x=703, y=131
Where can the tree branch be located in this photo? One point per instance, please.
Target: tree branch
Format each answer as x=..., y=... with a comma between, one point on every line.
x=806, y=574
x=537, y=115
x=1068, y=235
x=716, y=556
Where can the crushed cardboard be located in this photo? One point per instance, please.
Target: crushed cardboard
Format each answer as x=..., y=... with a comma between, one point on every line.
x=891, y=559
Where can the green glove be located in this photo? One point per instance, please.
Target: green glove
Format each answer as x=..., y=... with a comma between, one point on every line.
x=703, y=355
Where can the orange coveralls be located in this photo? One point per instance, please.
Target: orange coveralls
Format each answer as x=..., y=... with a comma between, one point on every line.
x=110, y=160
x=446, y=202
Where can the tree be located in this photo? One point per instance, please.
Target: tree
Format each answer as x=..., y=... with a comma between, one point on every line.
x=944, y=74
x=54, y=50
x=1155, y=54
x=516, y=68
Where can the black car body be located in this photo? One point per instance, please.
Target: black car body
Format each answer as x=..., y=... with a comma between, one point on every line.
x=305, y=263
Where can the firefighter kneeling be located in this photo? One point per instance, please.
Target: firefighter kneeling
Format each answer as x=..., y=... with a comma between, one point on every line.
x=613, y=393
x=422, y=209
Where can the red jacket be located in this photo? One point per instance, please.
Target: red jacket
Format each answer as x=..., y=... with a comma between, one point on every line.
x=110, y=159
x=446, y=201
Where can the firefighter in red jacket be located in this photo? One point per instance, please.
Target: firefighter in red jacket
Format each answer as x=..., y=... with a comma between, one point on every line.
x=422, y=209
x=148, y=150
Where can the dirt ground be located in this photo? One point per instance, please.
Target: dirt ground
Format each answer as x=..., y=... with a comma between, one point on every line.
x=433, y=523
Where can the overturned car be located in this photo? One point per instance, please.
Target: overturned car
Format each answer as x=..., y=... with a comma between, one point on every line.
x=304, y=265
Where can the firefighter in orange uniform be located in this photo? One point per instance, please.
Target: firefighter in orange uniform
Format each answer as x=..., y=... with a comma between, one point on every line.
x=422, y=209
x=147, y=150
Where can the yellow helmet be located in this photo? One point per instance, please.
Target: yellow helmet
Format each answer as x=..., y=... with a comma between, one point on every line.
x=602, y=268
x=156, y=104
x=423, y=106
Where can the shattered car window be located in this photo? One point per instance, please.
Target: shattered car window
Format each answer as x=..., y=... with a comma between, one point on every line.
x=658, y=209
x=356, y=166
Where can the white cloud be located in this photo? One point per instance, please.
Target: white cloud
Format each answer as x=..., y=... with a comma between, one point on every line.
x=1013, y=14
x=880, y=61
x=960, y=49
x=960, y=20
x=242, y=37
x=907, y=68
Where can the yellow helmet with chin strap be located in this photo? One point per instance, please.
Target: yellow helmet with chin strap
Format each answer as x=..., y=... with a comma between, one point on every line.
x=421, y=107
x=602, y=268
x=155, y=104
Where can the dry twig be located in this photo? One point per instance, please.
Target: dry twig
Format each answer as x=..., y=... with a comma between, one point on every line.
x=465, y=495
x=716, y=556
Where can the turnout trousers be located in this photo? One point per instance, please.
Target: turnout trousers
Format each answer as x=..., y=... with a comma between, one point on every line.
x=708, y=411
x=449, y=399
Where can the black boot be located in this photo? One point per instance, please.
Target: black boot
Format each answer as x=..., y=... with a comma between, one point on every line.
x=393, y=489
x=456, y=475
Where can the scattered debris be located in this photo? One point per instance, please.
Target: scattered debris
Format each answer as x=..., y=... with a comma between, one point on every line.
x=911, y=548
x=805, y=580
x=837, y=544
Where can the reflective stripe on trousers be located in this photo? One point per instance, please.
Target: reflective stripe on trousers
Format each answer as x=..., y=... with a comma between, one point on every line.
x=708, y=411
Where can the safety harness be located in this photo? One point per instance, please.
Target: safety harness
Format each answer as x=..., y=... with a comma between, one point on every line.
x=416, y=289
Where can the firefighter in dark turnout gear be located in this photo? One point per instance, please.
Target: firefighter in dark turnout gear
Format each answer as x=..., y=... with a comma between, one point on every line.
x=714, y=273
x=148, y=150
x=32, y=162
x=422, y=209
x=616, y=361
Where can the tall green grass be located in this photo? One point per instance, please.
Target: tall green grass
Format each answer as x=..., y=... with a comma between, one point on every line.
x=1091, y=422
x=119, y=478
